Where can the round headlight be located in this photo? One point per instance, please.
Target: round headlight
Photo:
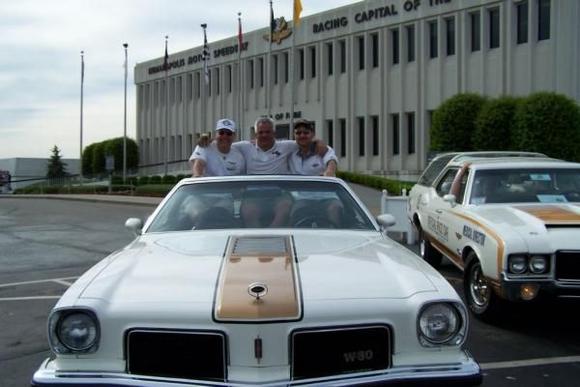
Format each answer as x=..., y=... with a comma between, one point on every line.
x=439, y=323
x=538, y=264
x=517, y=264
x=77, y=331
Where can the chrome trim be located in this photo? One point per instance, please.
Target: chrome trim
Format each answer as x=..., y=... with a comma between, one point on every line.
x=469, y=369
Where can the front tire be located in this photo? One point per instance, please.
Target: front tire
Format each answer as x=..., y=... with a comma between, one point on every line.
x=429, y=253
x=479, y=295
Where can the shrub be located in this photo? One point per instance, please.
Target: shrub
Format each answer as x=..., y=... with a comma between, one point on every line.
x=157, y=190
x=454, y=122
x=168, y=179
x=143, y=180
x=155, y=179
x=393, y=187
x=495, y=124
x=548, y=123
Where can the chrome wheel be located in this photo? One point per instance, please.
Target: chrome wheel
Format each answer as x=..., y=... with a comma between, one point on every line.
x=478, y=286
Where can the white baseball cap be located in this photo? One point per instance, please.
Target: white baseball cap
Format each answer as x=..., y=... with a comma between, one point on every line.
x=226, y=123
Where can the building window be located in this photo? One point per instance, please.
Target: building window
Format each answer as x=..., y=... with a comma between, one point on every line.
x=229, y=76
x=179, y=89
x=330, y=132
x=286, y=67
x=410, y=133
x=342, y=122
x=251, y=73
x=522, y=22
x=313, y=62
x=156, y=94
x=342, y=45
x=375, y=48
x=172, y=91
x=395, y=124
x=198, y=84
x=217, y=81
x=395, y=45
x=475, y=31
x=376, y=143
x=410, y=43
x=301, y=63
x=178, y=148
x=261, y=71
x=275, y=69
x=543, y=19
x=433, y=49
x=361, y=52
x=361, y=136
x=450, y=35
x=329, y=63
x=189, y=87
x=493, y=15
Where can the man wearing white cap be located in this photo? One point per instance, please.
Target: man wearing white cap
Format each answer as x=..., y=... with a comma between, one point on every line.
x=219, y=158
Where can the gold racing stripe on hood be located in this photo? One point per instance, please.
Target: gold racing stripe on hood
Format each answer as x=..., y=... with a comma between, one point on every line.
x=266, y=261
x=552, y=215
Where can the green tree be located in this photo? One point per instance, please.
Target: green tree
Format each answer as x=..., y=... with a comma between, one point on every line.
x=495, y=124
x=115, y=147
x=454, y=122
x=88, y=159
x=56, y=167
x=548, y=123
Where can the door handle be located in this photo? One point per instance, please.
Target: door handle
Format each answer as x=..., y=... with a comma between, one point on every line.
x=439, y=211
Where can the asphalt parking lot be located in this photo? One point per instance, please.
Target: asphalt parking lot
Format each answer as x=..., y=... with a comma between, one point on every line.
x=46, y=244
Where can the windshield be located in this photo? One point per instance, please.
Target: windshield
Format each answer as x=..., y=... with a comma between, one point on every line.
x=260, y=204
x=542, y=185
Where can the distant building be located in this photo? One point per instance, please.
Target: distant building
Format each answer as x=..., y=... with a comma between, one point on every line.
x=27, y=171
x=369, y=74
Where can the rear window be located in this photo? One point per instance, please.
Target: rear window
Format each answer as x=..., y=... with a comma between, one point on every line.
x=434, y=169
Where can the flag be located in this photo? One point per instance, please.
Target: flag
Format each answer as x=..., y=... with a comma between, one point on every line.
x=166, y=57
x=272, y=20
x=297, y=12
x=240, y=36
x=205, y=55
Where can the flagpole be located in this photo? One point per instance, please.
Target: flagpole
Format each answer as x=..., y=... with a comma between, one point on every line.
x=297, y=9
x=81, y=124
x=205, y=79
x=240, y=74
x=166, y=68
x=125, y=45
x=269, y=64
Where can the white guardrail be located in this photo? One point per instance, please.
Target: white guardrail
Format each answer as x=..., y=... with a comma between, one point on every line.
x=397, y=206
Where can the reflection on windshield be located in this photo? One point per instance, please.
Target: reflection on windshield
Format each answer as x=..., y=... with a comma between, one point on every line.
x=550, y=185
x=260, y=204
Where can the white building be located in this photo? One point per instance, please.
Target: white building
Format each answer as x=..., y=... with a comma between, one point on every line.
x=370, y=75
x=27, y=171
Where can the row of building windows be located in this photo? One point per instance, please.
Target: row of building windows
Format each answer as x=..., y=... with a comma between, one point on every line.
x=255, y=67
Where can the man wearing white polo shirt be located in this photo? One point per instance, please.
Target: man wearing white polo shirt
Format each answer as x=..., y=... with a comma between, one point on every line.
x=305, y=160
x=219, y=158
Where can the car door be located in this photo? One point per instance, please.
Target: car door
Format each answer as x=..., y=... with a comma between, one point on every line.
x=436, y=207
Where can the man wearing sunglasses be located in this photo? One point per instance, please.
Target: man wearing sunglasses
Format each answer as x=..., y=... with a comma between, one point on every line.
x=219, y=158
x=306, y=161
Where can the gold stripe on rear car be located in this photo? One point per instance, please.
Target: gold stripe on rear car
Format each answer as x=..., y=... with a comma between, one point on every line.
x=253, y=263
x=552, y=215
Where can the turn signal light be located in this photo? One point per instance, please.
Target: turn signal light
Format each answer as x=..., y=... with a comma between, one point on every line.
x=529, y=291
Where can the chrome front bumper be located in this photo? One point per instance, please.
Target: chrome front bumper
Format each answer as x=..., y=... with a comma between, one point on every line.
x=467, y=373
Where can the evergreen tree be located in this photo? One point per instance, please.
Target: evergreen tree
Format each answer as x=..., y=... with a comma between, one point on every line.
x=56, y=167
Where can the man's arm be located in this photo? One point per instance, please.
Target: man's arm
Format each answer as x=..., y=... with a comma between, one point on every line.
x=198, y=168
x=330, y=169
x=198, y=161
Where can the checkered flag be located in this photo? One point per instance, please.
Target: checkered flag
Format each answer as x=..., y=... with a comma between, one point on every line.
x=205, y=54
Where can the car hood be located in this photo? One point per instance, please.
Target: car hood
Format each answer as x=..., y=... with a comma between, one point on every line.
x=185, y=267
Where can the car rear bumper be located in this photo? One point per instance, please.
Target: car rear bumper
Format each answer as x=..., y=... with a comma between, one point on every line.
x=467, y=373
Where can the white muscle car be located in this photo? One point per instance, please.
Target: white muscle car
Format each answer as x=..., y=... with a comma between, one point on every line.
x=312, y=293
x=511, y=224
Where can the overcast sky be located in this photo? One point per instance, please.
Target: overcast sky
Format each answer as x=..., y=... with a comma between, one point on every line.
x=40, y=45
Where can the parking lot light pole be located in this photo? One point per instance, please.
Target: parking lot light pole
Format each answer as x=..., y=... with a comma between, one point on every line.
x=125, y=121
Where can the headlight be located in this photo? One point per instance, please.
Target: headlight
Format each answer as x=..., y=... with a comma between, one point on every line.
x=538, y=264
x=74, y=331
x=517, y=264
x=442, y=324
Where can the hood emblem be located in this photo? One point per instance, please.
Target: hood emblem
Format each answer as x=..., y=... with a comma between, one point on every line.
x=257, y=290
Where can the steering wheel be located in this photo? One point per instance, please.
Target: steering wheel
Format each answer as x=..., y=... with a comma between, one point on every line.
x=313, y=221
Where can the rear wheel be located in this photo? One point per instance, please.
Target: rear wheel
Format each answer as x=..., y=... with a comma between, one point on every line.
x=479, y=295
x=429, y=253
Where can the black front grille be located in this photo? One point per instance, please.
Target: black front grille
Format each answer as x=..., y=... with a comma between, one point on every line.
x=177, y=354
x=568, y=265
x=336, y=351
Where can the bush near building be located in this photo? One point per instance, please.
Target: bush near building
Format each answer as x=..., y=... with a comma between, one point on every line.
x=548, y=123
x=495, y=124
x=94, y=156
x=454, y=122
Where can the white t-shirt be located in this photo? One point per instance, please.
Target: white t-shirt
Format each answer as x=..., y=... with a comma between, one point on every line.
x=274, y=161
x=218, y=163
x=312, y=165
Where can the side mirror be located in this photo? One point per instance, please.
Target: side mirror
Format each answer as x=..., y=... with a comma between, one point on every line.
x=135, y=225
x=450, y=198
x=386, y=220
